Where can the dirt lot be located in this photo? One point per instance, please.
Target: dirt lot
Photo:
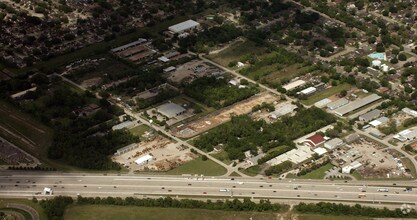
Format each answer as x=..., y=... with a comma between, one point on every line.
x=219, y=117
x=377, y=161
x=167, y=155
x=192, y=70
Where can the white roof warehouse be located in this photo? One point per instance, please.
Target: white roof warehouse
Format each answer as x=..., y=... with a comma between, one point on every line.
x=184, y=26
x=359, y=103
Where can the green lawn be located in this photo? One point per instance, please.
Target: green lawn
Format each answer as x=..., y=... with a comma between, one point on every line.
x=315, y=174
x=252, y=171
x=326, y=93
x=139, y=130
x=236, y=51
x=234, y=174
x=407, y=162
x=36, y=206
x=223, y=156
x=107, y=212
x=198, y=166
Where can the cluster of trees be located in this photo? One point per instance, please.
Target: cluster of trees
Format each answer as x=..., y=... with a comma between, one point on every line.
x=327, y=208
x=210, y=38
x=55, y=208
x=313, y=167
x=217, y=93
x=242, y=133
x=269, y=107
x=168, y=202
x=278, y=169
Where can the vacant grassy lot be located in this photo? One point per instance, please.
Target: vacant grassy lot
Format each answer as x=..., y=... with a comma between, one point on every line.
x=252, y=171
x=36, y=206
x=315, y=174
x=326, y=93
x=24, y=131
x=223, y=157
x=236, y=52
x=198, y=166
x=107, y=212
x=139, y=130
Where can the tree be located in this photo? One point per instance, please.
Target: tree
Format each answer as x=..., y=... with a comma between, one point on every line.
x=402, y=57
x=204, y=157
x=343, y=93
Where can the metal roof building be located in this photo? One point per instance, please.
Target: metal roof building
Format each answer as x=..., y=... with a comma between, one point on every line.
x=370, y=115
x=184, y=26
x=292, y=85
x=170, y=110
x=406, y=135
x=337, y=104
x=322, y=103
x=132, y=44
x=379, y=121
x=144, y=159
x=358, y=103
x=333, y=143
x=410, y=112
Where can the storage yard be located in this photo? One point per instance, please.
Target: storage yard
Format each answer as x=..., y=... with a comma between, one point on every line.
x=219, y=117
x=159, y=154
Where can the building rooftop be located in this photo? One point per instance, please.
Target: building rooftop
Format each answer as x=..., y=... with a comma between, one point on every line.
x=170, y=110
x=370, y=115
x=180, y=27
x=293, y=85
x=337, y=104
x=143, y=159
x=357, y=104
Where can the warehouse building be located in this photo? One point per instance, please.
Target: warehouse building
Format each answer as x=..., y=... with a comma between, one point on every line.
x=359, y=103
x=333, y=143
x=144, y=159
x=370, y=115
x=293, y=85
x=129, y=45
x=354, y=165
x=379, y=121
x=183, y=27
x=314, y=141
x=410, y=112
x=406, y=135
x=126, y=149
x=126, y=124
x=308, y=91
x=337, y=104
x=171, y=110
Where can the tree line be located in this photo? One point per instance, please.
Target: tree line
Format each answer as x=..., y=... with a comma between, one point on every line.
x=326, y=208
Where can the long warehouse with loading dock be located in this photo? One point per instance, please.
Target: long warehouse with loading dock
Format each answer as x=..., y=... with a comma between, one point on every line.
x=359, y=103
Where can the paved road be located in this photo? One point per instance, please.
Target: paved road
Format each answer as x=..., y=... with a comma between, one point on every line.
x=15, y=184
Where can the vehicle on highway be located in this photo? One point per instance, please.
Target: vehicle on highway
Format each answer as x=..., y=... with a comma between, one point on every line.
x=224, y=190
x=361, y=196
x=408, y=189
x=362, y=189
x=383, y=190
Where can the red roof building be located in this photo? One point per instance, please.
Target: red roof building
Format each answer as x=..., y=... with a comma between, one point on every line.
x=314, y=140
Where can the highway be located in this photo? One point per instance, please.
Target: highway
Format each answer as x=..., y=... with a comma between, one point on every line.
x=28, y=185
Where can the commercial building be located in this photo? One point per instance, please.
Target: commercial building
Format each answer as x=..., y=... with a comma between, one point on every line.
x=308, y=91
x=333, y=143
x=410, y=112
x=359, y=103
x=352, y=138
x=379, y=121
x=171, y=110
x=286, y=109
x=126, y=124
x=144, y=159
x=320, y=151
x=185, y=26
x=126, y=149
x=406, y=135
x=129, y=45
x=337, y=104
x=322, y=103
x=370, y=115
x=314, y=141
x=354, y=165
x=293, y=85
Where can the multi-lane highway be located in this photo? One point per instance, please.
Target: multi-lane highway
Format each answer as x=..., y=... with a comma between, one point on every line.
x=15, y=184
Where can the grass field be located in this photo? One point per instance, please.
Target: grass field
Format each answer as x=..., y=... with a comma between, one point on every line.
x=236, y=51
x=96, y=212
x=24, y=131
x=36, y=206
x=223, y=157
x=329, y=217
x=252, y=171
x=315, y=174
x=326, y=93
x=139, y=130
x=198, y=166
